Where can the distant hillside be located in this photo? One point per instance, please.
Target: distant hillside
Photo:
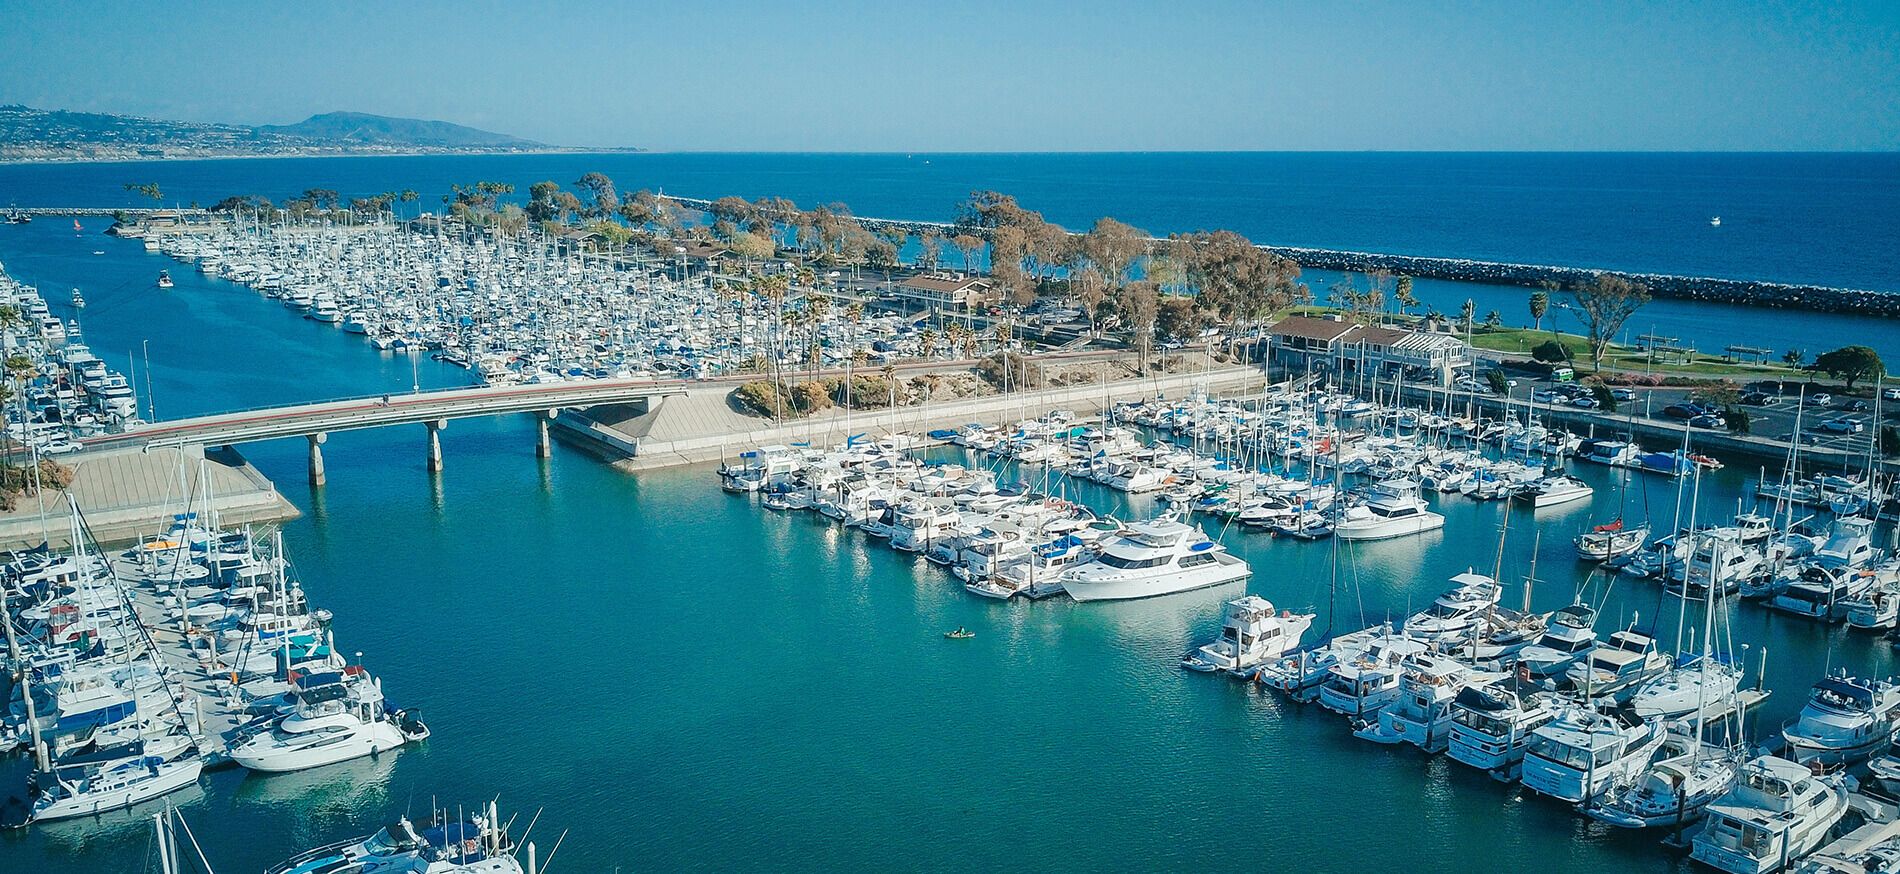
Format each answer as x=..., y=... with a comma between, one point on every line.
x=28, y=134
x=358, y=127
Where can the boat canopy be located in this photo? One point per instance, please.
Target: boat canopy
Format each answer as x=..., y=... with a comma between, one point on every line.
x=1857, y=696
x=1483, y=700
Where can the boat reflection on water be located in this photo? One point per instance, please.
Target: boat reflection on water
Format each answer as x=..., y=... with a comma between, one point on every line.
x=345, y=787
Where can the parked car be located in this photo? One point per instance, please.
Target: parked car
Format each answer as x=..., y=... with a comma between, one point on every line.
x=1586, y=402
x=1708, y=420
x=1857, y=406
x=59, y=446
x=1684, y=412
x=1891, y=394
x=1623, y=394
x=1820, y=399
x=1842, y=426
x=1756, y=399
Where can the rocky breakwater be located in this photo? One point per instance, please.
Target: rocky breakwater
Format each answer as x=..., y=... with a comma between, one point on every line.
x=1701, y=288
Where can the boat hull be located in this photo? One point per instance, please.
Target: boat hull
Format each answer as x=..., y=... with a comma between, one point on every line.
x=171, y=777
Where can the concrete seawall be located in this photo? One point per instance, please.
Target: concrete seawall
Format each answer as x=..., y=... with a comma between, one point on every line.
x=126, y=494
x=701, y=426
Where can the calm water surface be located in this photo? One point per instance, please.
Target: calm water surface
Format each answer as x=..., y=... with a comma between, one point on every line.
x=685, y=681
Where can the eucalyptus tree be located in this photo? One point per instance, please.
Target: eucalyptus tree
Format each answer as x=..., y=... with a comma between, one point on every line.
x=1604, y=304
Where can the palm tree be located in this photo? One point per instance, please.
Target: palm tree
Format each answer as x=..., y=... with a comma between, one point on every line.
x=10, y=319
x=818, y=307
x=772, y=289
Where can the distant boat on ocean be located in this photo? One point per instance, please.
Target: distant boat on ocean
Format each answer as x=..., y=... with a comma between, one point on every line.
x=1715, y=221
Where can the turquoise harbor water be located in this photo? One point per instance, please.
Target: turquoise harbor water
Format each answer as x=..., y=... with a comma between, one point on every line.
x=687, y=682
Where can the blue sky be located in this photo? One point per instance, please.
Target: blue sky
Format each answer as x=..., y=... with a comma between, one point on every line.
x=980, y=76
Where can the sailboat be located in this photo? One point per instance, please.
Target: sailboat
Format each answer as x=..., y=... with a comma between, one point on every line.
x=1687, y=774
x=116, y=775
x=1616, y=537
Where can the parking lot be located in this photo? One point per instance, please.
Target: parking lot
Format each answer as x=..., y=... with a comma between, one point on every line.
x=1843, y=424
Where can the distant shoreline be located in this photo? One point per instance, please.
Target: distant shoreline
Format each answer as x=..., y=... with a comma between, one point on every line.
x=441, y=153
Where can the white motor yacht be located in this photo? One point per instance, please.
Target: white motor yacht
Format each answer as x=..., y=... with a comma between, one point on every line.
x=1570, y=636
x=1421, y=714
x=1877, y=610
x=1251, y=634
x=1778, y=812
x=338, y=716
x=1845, y=720
x=1829, y=591
x=1158, y=557
x=1392, y=509
x=1492, y=725
x=1457, y=611
x=918, y=523
x=1359, y=686
x=1585, y=752
x=1554, y=490
x=1718, y=559
x=1617, y=667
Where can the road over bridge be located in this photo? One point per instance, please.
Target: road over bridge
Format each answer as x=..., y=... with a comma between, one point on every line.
x=432, y=408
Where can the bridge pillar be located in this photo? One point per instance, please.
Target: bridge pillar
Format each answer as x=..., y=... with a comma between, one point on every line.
x=316, y=457
x=542, y=447
x=435, y=443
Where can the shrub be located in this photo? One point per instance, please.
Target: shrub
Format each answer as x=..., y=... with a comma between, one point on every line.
x=765, y=397
x=1022, y=374
x=1551, y=352
x=811, y=397
x=867, y=392
x=1606, y=402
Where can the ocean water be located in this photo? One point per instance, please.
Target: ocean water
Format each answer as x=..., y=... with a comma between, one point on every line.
x=684, y=681
x=1827, y=219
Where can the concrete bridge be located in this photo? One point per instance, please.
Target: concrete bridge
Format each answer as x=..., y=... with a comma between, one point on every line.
x=432, y=409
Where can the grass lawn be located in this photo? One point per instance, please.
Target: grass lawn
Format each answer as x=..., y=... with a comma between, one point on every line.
x=1520, y=341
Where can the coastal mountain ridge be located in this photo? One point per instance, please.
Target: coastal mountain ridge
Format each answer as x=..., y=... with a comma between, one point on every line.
x=361, y=127
x=29, y=134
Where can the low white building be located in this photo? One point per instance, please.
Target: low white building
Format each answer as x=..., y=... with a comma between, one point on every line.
x=1301, y=343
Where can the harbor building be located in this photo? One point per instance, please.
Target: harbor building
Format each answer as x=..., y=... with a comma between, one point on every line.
x=948, y=292
x=1335, y=344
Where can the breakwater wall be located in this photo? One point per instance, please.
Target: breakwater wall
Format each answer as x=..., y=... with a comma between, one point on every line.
x=1774, y=295
x=1699, y=288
